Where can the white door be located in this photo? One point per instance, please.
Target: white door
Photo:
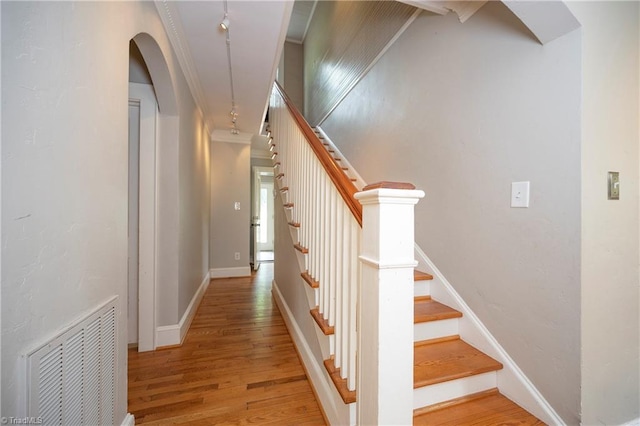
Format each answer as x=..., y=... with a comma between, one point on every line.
x=265, y=242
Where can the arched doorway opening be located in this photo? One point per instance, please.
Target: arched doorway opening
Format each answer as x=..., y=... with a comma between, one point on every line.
x=153, y=126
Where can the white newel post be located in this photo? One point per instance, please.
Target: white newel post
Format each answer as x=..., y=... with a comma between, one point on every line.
x=385, y=318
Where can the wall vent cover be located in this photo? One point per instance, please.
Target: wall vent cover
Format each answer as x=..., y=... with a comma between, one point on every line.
x=72, y=378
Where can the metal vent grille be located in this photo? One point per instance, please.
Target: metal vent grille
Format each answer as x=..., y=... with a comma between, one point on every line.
x=71, y=379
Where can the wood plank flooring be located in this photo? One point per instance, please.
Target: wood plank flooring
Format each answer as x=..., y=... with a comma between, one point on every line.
x=237, y=365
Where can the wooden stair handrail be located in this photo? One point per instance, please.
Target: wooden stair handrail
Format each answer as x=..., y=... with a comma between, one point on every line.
x=344, y=185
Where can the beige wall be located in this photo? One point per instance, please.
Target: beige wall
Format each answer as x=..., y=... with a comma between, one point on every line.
x=610, y=282
x=293, y=73
x=343, y=39
x=463, y=110
x=230, y=182
x=64, y=196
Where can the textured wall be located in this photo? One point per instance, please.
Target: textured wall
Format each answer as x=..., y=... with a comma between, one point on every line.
x=610, y=282
x=463, y=110
x=64, y=170
x=230, y=182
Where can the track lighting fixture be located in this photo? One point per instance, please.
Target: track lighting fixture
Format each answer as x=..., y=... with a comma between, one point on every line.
x=225, y=23
x=234, y=114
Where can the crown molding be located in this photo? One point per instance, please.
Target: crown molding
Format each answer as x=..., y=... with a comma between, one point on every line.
x=258, y=153
x=172, y=23
x=225, y=135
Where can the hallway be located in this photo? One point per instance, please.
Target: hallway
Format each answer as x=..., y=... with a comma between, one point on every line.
x=237, y=365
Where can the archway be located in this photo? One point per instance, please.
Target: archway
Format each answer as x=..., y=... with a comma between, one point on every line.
x=152, y=210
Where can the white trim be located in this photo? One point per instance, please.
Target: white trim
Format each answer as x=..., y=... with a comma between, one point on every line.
x=171, y=22
x=219, y=135
x=379, y=265
x=512, y=382
x=324, y=389
x=241, y=271
x=171, y=335
x=147, y=212
x=265, y=155
x=167, y=335
x=129, y=420
x=452, y=389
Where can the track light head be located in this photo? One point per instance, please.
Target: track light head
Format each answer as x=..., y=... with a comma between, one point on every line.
x=225, y=23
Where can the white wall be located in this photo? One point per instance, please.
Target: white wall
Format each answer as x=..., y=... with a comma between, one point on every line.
x=64, y=172
x=610, y=282
x=230, y=182
x=461, y=111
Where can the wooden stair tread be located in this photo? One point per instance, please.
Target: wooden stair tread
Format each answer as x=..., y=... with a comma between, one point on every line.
x=347, y=395
x=421, y=276
x=309, y=280
x=425, y=309
x=322, y=323
x=484, y=408
x=441, y=361
x=299, y=247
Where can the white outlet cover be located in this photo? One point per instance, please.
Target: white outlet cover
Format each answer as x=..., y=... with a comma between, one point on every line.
x=236, y=205
x=520, y=194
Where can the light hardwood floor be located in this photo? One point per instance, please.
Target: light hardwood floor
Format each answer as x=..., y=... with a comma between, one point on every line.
x=237, y=365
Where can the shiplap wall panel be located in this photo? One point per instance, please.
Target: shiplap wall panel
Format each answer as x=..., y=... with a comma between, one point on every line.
x=343, y=40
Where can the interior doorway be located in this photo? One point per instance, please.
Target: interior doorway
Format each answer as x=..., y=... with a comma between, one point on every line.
x=262, y=222
x=143, y=114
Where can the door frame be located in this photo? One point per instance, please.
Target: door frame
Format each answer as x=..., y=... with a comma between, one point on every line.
x=255, y=207
x=144, y=94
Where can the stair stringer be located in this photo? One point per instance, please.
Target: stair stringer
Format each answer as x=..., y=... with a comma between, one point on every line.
x=336, y=411
x=512, y=382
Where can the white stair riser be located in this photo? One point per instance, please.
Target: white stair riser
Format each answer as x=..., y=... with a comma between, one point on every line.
x=435, y=329
x=440, y=392
x=294, y=233
x=422, y=288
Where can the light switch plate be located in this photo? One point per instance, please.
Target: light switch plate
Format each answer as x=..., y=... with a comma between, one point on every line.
x=614, y=186
x=520, y=194
x=236, y=205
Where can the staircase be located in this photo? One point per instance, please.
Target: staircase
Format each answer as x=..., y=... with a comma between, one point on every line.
x=454, y=383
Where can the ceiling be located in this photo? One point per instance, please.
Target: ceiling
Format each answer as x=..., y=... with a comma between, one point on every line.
x=257, y=33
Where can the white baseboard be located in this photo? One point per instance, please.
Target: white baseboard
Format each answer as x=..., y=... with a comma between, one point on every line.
x=242, y=271
x=171, y=335
x=316, y=371
x=129, y=420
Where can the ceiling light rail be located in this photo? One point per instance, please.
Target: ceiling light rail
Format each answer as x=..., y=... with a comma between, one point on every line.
x=225, y=24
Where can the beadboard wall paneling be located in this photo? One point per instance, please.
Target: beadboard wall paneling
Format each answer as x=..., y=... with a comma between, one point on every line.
x=343, y=41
